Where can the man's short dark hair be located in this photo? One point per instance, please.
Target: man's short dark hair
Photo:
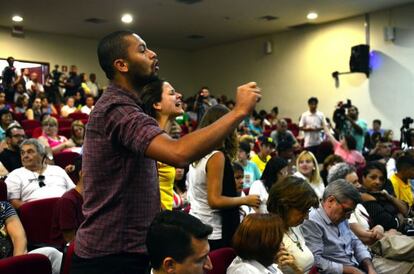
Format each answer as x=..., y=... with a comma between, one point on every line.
x=378, y=121
x=245, y=146
x=10, y=129
x=110, y=48
x=313, y=100
x=405, y=162
x=170, y=235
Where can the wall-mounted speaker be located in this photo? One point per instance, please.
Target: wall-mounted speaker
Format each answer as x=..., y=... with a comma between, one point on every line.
x=359, y=61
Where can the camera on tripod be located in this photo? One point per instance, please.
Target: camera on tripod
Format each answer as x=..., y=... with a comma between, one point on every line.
x=339, y=115
x=406, y=133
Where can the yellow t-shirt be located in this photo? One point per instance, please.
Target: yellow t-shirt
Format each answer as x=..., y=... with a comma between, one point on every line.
x=402, y=189
x=166, y=176
x=259, y=162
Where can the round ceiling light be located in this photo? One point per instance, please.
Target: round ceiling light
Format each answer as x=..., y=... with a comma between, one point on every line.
x=312, y=15
x=127, y=18
x=17, y=18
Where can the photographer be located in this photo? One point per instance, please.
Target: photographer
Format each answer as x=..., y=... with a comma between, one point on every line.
x=349, y=124
x=203, y=102
x=407, y=133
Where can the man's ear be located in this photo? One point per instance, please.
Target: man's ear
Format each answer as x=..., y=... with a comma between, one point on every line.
x=121, y=65
x=169, y=265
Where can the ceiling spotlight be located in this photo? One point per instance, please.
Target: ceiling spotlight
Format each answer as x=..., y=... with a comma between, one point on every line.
x=127, y=18
x=17, y=18
x=312, y=15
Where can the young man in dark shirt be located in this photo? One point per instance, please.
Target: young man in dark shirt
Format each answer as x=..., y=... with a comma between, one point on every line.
x=10, y=156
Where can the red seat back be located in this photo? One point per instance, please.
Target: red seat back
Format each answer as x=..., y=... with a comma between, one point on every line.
x=37, y=132
x=221, y=259
x=67, y=258
x=36, y=217
x=64, y=122
x=19, y=117
x=65, y=158
x=26, y=264
x=29, y=126
x=65, y=131
x=78, y=116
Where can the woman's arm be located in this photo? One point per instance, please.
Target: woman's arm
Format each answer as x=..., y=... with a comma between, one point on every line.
x=215, y=171
x=15, y=229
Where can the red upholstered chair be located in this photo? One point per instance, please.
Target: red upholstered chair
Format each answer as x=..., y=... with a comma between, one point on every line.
x=67, y=258
x=294, y=128
x=26, y=264
x=65, y=158
x=65, y=131
x=19, y=117
x=221, y=259
x=37, y=132
x=64, y=122
x=36, y=217
x=29, y=126
x=3, y=190
x=78, y=116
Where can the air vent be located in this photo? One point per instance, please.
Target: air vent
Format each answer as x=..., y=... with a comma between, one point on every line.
x=188, y=2
x=268, y=18
x=195, y=36
x=95, y=20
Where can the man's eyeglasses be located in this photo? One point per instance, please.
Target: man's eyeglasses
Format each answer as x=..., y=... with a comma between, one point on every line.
x=19, y=136
x=347, y=210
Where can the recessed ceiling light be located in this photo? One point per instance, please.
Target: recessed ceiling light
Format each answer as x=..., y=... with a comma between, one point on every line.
x=312, y=15
x=17, y=18
x=127, y=18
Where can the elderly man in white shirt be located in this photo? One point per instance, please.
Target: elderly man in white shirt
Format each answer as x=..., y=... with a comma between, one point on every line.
x=36, y=179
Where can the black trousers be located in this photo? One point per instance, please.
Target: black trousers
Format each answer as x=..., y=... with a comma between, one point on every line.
x=126, y=263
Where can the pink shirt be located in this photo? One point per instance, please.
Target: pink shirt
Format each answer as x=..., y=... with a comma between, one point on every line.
x=353, y=157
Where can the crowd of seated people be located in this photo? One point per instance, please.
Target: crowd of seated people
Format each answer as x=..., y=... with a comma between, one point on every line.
x=287, y=169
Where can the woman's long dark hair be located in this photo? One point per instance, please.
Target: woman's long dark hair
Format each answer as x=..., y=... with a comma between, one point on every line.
x=271, y=171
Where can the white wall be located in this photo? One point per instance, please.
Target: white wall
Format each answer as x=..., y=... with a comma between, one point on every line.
x=64, y=50
x=303, y=60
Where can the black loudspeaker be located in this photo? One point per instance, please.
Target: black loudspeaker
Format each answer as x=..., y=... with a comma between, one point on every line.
x=359, y=61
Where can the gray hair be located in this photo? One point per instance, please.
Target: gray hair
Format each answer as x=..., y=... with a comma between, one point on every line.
x=339, y=171
x=342, y=191
x=34, y=142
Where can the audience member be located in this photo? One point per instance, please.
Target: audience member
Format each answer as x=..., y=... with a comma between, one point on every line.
x=330, y=161
x=35, y=180
x=355, y=127
x=381, y=152
x=255, y=126
x=401, y=179
x=251, y=171
x=67, y=214
x=212, y=192
x=283, y=135
x=163, y=103
x=203, y=102
x=35, y=112
x=257, y=243
x=311, y=123
x=89, y=105
x=93, y=85
x=10, y=156
x=34, y=88
x=344, y=171
x=77, y=135
x=73, y=82
x=3, y=101
x=276, y=170
x=266, y=146
x=22, y=104
x=273, y=116
x=335, y=247
x=50, y=138
x=6, y=119
x=308, y=169
x=376, y=127
x=13, y=240
x=47, y=107
x=9, y=79
x=287, y=152
x=68, y=108
x=292, y=199
x=346, y=148
x=177, y=243
x=121, y=148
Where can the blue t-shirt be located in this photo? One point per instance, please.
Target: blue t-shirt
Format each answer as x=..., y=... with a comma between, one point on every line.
x=251, y=174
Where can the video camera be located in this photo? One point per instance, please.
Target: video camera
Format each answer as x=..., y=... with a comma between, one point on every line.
x=339, y=115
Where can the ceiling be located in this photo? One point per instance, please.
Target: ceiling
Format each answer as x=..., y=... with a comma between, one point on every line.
x=168, y=23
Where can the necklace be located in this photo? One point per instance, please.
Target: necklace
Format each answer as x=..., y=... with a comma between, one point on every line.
x=297, y=242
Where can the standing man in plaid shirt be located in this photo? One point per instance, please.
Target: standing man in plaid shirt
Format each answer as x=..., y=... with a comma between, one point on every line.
x=122, y=145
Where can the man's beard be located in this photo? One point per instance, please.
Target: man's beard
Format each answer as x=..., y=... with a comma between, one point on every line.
x=139, y=81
